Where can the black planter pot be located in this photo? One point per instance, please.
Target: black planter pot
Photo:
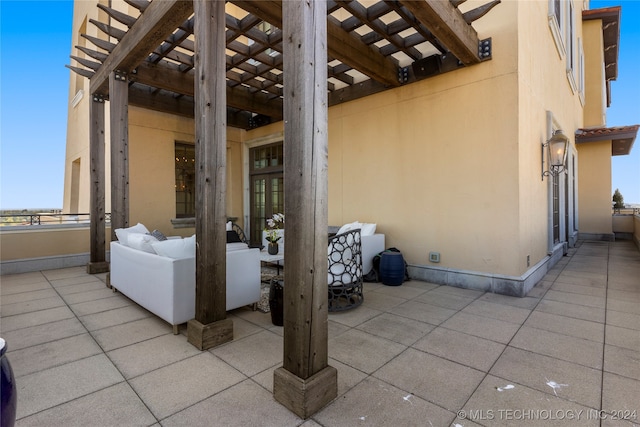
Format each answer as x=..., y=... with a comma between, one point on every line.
x=272, y=248
x=8, y=390
x=276, y=302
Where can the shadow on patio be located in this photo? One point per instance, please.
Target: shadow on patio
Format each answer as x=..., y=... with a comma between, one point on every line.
x=418, y=354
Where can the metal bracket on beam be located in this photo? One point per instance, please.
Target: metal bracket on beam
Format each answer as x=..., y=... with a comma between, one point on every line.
x=120, y=75
x=484, y=49
x=403, y=74
x=98, y=98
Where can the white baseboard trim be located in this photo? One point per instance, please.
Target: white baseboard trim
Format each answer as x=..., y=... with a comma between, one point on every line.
x=518, y=286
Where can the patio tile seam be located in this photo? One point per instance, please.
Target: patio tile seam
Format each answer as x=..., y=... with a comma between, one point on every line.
x=606, y=304
x=622, y=327
x=58, y=365
x=571, y=294
x=74, y=399
x=11, y=351
x=471, y=335
x=457, y=361
x=564, y=360
x=159, y=420
x=568, y=335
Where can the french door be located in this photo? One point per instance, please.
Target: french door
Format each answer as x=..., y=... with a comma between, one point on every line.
x=267, y=187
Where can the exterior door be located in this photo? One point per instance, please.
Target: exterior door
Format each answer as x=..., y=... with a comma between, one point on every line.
x=267, y=187
x=556, y=208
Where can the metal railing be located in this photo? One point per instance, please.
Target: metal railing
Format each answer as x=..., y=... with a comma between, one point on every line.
x=46, y=218
x=626, y=211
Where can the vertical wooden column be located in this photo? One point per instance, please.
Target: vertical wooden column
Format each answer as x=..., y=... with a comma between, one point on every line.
x=97, y=257
x=119, y=120
x=210, y=326
x=306, y=382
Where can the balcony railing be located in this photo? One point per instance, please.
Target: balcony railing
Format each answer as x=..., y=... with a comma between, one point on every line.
x=46, y=218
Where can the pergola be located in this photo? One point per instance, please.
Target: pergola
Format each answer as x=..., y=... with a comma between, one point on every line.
x=246, y=63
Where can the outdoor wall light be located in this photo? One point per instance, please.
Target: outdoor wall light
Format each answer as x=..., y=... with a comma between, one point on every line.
x=555, y=150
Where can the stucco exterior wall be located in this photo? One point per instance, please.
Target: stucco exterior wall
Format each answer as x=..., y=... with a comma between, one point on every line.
x=595, y=188
x=546, y=98
x=39, y=242
x=596, y=105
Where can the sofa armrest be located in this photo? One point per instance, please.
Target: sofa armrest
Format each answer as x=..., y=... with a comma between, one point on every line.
x=371, y=246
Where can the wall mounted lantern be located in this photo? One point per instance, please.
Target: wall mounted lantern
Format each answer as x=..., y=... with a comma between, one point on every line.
x=555, y=150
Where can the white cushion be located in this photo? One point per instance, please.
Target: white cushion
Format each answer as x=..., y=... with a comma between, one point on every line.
x=367, y=229
x=176, y=248
x=236, y=246
x=229, y=226
x=123, y=233
x=141, y=242
x=349, y=227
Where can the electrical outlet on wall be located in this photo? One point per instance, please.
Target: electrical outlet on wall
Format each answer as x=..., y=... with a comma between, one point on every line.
x=434, y=256
x=528, y=260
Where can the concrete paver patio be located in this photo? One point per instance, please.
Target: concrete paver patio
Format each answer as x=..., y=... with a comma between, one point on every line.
x=415, y=355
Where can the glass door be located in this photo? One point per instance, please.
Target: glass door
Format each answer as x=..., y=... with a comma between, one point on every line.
x=267, y=187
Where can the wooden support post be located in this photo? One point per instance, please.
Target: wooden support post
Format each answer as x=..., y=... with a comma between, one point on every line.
x=97, y=257
x=210, y=326
x=119, y=116
x=306, y=382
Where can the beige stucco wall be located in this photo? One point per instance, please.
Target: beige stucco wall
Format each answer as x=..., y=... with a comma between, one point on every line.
x=595, y=187
x=36, y=242
x=595, y=93
x=152, y=137
x=622, y=223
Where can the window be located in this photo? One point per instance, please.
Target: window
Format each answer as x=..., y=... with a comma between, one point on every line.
x=185, y=180
x=556, y=24
x=571, y=51
x=581, y=71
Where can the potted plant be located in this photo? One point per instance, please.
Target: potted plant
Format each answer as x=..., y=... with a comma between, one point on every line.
x=274, y=232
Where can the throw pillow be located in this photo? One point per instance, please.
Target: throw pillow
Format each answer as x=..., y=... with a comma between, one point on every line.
x=158, y=235
x=367, y=229
x=232, y=237
x=176, y=248
x=349, y=227
x=123, y=233
x=142, y=242
x=229, y=226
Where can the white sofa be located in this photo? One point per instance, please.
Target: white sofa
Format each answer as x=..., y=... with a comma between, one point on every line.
x=166, y=286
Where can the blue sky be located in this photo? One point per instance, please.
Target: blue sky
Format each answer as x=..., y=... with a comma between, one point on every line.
x=35, y=43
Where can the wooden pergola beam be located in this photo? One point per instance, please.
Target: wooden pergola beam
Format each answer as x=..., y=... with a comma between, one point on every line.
x=158, y=21
x=171, y=79
x=341, y=45
x=182, y=106
x=448, y=25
